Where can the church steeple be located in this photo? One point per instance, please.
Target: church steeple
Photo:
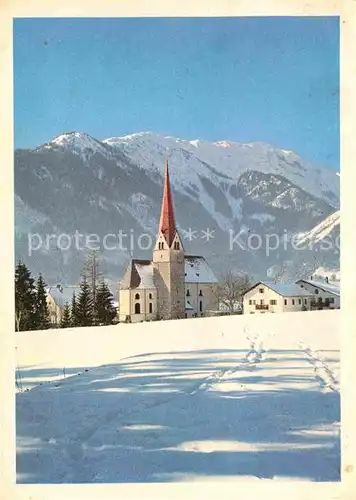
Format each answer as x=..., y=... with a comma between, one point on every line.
x=167, y=224
x=168, y=260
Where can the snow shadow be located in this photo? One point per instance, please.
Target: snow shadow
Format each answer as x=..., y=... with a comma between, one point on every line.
x=177, y=416
x=30, y=376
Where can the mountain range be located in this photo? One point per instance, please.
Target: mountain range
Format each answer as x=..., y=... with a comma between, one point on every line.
x=230, y=199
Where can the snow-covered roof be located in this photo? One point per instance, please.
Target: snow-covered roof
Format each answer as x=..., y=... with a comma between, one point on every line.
x=197, y=270
x=62, y=294
x=145, y=272
x=284, y=289
x=139, y=274
x=323, y=285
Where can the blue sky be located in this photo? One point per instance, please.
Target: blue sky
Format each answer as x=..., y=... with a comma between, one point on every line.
x=274, y=80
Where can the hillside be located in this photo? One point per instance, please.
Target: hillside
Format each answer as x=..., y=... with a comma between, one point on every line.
x=78, y=183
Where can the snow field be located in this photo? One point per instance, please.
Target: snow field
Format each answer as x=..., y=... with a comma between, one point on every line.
x=52, y=354
x=225, y=398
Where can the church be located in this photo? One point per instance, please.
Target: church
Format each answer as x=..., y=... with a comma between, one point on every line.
x=172, y=285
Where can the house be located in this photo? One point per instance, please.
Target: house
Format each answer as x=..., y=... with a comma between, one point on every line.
x=272, y=297
x=325, y=295
x=57, y=297
x=172, y=284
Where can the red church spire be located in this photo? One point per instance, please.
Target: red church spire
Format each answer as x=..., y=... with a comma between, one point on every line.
x=167, y=224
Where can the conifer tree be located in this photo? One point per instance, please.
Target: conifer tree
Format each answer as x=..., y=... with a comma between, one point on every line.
x=74, y=311
x=25, y=298
x=42, y=315
x=66, y=317
x=104, y=307
x=85, y=304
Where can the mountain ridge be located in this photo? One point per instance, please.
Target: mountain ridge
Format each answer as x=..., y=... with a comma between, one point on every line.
x=75, y=179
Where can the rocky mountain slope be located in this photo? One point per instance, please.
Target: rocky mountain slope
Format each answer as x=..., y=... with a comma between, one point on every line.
x=230, y=199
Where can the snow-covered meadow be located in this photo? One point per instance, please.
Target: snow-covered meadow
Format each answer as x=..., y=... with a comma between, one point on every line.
x=217, y=398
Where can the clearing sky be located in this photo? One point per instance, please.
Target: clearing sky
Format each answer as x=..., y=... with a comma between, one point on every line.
x=264, y=79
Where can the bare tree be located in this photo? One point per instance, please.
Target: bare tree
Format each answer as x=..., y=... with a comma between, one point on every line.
x=280, y=273
x=231, y=289
x=91, y=272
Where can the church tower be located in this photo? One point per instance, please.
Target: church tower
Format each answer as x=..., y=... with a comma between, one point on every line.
x=168, y=260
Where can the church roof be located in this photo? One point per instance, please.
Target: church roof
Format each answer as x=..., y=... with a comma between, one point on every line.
x=197, y=270
x=139, y=274
x=167, y=224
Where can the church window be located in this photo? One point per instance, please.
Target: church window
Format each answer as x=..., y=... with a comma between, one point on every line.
x=200, y=293
x=137, y=296
x=200, y=306
x=150, y=307
x=137, y=308
x=176, y=245
x=188, y=293
x=150, y=295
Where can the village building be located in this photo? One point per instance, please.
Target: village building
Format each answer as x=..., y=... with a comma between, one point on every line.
x=172, y=285
x=57, y=297
x=269, y=297
x=325, y=295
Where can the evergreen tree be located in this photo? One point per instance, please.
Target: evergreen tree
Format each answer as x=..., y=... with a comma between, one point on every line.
x=42, y=315
x=66, y=320
x=74, y=311
x=104, y=307
x=25, y=298
x=85, y=305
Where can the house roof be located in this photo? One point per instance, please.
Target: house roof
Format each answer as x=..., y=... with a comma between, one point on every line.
x=326, y=287
x=62, y=294
x=284, y=289
x=197, y=270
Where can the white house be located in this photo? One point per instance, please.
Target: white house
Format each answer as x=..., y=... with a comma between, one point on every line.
x=57, y=297
x=271, y=297
x=325, y=295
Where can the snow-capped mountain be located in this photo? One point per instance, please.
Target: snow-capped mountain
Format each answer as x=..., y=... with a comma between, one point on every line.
x=78, y=183
x=228, y=158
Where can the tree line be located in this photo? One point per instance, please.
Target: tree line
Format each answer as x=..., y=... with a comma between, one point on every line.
x=93, y=305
